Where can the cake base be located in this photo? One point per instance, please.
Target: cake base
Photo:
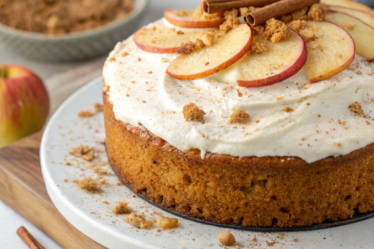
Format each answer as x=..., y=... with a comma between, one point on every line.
x=250, y=191
x=357, y=217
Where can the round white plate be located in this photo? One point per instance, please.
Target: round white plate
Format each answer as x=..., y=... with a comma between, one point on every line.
x=88, y=212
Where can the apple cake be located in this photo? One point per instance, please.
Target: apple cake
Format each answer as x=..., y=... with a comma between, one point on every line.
x=266, y=125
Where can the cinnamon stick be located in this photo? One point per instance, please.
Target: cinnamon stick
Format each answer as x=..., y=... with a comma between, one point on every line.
x=277, y=9
x=29, y=240
x=214, y=6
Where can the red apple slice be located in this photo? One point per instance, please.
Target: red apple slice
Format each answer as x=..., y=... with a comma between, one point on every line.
x=361, y=15
x=348, y=4
x=193, y=18
x=162, y=40
x=281, y=61
x=362, y=33
x=331, y=53
x=225, y=52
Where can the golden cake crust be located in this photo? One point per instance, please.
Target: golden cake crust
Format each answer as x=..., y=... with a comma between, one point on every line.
x=249, y=191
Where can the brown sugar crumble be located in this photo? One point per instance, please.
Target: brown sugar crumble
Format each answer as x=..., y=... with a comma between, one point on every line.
x=232, y=20
x=357, y=109
x=226, y=238
x=317, y=13
x=258, y=48
x=288, y=109
x=106, y=89
x=89, y=184
x=245, y=11
x=276, y=30
x=206, y=39
x=270, y=243
x=138, y=221
x=308, y=34
x=86, y=114
x=297, y=25
x=98, y=107
x=239, y=117
x=121, y=208
x=55, y=17
x=86, y=152
x=191, y=112
x=167, y=223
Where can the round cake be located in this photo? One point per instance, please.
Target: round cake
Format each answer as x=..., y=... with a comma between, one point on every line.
x=267, y=132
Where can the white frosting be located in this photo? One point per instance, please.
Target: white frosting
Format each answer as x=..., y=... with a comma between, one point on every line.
x=321, y=125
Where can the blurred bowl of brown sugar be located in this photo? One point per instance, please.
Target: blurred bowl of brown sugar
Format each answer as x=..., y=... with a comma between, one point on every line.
x=67, y=30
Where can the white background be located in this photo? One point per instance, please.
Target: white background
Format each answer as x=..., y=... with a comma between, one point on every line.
x=58, y=79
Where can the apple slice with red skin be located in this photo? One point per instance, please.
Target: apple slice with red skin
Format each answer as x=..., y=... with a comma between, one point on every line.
x=347, y=4
x=282, y=60
x=361, y=15
x=362, y=33
x=189, y=20
x=330, y=53
x=225, y=52
x=162, y=39
x=24, y=103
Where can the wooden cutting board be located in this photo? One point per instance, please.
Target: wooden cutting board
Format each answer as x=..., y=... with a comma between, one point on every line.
x=22, y=188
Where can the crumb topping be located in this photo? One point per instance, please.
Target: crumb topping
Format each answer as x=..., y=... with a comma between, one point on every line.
x=191, y=112
x=206, y=39
x=357, y=109
x=86, y=152
x=317, y=13
x=239, y=117
x=258, y=48
x=258, y=30
x=121, y=208
x=89, y=184
x=245, y=11
x=187, y=48
x=276, y=30
x=297, y=25
x=106, y=89
x=138, y=221
x=300, y=14
x=232, y=20
x=167, y=223
x=308, y=34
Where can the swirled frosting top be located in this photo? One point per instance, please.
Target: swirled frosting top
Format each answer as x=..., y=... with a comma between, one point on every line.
x=320, y=125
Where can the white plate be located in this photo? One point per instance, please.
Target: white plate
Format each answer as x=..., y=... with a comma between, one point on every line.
x=88, y=212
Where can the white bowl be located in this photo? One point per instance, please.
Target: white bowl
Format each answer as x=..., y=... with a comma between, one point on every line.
x=74, y=46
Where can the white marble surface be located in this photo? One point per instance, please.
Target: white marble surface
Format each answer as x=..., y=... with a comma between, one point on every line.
x=62, y=79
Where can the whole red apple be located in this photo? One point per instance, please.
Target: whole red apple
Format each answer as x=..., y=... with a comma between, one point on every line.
x=24, y=103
